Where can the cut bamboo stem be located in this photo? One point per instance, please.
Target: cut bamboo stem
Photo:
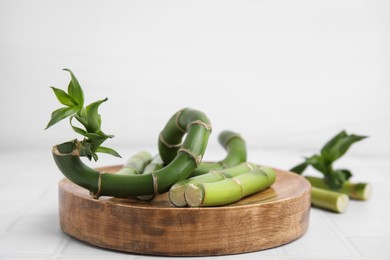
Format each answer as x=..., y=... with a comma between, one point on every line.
x=176, y=192
x=229, y=190
x=357, y=191
x=330, y=200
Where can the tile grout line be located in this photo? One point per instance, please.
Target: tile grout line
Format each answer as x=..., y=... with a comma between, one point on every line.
x=20, y=212
x=346, y=243
x=60, y=248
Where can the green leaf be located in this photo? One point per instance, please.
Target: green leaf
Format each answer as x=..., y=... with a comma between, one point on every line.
x=336, y=178
x=299, y=168
x=74, y=89
x=326, y=150
x=93, y=117
x=77, y=129
x=64, y=98
x=318, y=162
x=107, y=150
x=61, y=114
x=85, y=150
x=81, y=116
x=342, y=146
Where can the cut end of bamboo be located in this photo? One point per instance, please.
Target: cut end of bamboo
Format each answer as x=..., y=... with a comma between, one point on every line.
x=342, y=203
x=367, y=191
x=194, y=195
x=176, y=195
x=363, y=191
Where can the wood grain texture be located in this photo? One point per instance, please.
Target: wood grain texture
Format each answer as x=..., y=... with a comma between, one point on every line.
x=264, y=220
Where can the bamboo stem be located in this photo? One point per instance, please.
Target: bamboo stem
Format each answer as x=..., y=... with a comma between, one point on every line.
x=357, y=191
x=176, y=192
x=155, y=164
x=235, y=146
x=330, y=200
x=136, y=164
x=186, y=158
x=229, y=190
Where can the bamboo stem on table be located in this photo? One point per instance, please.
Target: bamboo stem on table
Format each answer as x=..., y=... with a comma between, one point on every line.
x=358, y=191
x=330, y=200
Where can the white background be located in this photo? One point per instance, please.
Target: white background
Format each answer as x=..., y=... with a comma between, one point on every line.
x=287, y=75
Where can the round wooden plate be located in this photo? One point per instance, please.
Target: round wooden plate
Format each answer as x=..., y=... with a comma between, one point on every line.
x=264, y=220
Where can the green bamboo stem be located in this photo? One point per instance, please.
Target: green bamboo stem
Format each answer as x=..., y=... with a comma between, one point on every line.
x=357, y=191
x=330, y=200
x=235, y=146
x=176, y=192
x=229, y=190
x=186, y=158
x=136, y=164
x=154, y=165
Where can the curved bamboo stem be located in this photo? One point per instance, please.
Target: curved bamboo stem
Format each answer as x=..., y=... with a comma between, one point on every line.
x=229, y=190
x=235, y=146
x=357, y=191
x=187, y=157
x=330, y=200
x=176, y=192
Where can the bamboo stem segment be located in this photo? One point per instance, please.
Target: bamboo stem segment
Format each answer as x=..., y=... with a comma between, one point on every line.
x=330, y=200
x=357, y=191
x=176, y=192
x=235, y=146
x=154, y=165
x=229, y=190
x=136, y=164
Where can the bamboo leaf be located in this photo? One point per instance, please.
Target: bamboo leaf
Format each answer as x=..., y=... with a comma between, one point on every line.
x=63, y=97
x=93, y=117
x=74, y=89
x=299, y=168
x=326, y=150
x=318, y=163
x=77, y=129
x=107, y=150
x=342, y=146
x=336, y=178
x=61, y=114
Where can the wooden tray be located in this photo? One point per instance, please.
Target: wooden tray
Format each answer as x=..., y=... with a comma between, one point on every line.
x=264, y=220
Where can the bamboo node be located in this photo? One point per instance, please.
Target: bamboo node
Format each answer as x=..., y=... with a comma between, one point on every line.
x=75, y=152
x=250, y=166
x=162, y=140
x=199, y=122
x=97, y=194
x=240, y=185
x=196, y=158
x=155, y=184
